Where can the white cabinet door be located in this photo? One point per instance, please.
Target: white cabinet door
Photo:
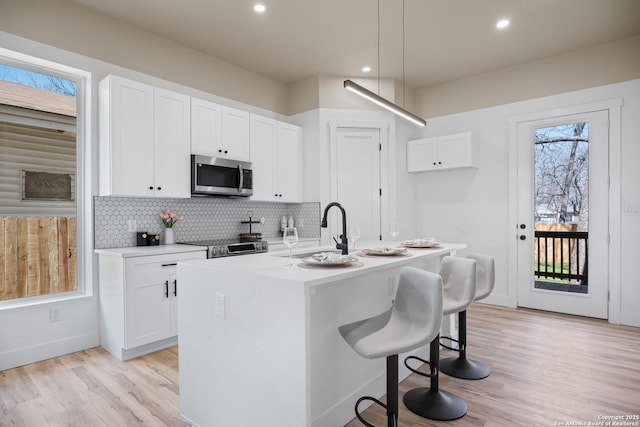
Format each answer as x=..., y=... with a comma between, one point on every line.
x=173, y=305
x=276, y=149
x=422, y=154
x=150, y=298
x=264, y=134
x=235, y=134
x=206, y=128
x=172, y=112
x=126, y=138
x=288, y=163
x=144, y=140
x=455, y=151
x=443, y=152
x=148, y=304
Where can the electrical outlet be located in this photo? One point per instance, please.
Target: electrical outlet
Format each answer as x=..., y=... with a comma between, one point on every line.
x=631, y=209
x=54, y=314
x=220, y=305
x=132, y=226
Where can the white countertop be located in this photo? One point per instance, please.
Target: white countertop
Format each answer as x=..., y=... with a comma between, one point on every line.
x=137, y=251
x=275, y=264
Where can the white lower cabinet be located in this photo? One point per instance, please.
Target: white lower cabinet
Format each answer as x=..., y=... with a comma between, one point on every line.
x=138, y=302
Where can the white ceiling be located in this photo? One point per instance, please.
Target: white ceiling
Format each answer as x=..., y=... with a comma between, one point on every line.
x=444, y=39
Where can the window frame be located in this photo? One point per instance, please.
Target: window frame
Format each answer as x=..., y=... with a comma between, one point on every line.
x=84, y=178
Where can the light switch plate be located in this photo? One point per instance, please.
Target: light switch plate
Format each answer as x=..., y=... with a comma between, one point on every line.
x=220, y=305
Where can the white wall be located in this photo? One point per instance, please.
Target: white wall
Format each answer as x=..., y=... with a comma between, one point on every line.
x=397, y=185
x=472, y=205
x=31, y=336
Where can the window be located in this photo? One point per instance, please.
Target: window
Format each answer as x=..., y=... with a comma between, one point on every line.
x=42, y=193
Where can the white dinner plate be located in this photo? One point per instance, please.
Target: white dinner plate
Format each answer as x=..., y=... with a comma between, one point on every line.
x=331, y=261
x=384, y=251
x=420, y=243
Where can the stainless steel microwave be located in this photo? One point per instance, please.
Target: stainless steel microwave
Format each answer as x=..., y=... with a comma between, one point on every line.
x=215, y=176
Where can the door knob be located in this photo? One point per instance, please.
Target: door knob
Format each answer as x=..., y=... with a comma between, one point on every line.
x=523, y=237
x=523, y=226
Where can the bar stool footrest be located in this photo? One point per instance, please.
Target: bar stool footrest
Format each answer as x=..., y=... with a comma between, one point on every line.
x=374, y=400
x=452, y=340
x=439, y=405
x=466, y=369
x=415, y=371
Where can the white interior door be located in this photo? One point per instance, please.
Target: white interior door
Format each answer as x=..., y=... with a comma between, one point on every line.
x=358, y=180
x=563, y=294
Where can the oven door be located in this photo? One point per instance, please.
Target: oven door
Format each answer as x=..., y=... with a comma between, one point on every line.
x=213, y=176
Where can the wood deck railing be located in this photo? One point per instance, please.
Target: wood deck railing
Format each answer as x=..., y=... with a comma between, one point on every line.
x=555, y=250
x=37, y=256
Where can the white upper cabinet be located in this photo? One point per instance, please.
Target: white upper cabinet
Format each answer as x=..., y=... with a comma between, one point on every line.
x=236, y=142
x=219, y=131
x=206, y=128
x=276, y=153
x=145, y=137
x=264, y=140
x=289, y=163
x=442, y=152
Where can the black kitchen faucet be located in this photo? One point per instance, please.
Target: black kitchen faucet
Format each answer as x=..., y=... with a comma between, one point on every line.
x=344, y=245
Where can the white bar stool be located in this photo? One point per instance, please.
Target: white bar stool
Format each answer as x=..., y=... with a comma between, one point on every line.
x=414, y=320
x=459, y=287
x=461, y=367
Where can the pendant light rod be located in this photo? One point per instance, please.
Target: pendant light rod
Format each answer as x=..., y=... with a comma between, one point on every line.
x=377, y=99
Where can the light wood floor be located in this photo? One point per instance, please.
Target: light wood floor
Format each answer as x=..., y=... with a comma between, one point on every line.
x=546, y=369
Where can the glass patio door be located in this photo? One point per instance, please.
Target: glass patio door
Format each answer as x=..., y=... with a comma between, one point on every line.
x=563, y=214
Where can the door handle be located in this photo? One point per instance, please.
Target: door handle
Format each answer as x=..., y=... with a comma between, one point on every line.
x=241, y=180
x=523, y=237
x=175, y=288
x=166, y=289
x=523, y=226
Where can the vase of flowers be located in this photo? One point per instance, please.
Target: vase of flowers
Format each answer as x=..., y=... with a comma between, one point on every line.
x=169, y=219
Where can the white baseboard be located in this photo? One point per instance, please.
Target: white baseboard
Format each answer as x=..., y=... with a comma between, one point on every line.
x=26, y=355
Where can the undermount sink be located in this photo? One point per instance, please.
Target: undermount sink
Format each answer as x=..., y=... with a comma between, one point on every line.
x=298, y=254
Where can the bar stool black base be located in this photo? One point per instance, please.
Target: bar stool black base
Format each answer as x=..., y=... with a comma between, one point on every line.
x=439, y=405
x=464, y=368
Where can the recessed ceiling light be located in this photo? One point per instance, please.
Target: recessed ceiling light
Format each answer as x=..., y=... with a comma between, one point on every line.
x=260, y=8
x=366, y=69
x=502, y=24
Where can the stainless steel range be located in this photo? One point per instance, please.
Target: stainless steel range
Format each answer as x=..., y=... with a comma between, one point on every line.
x=228, y=247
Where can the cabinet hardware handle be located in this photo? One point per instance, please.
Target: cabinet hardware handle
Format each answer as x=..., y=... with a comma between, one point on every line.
x=220, y=150
x=175, y=288
x=170, y=265
x=523, y=226
x=226, y=152
x=151, y=187
x=523, y=237
x=159, y=188
x=166, y=289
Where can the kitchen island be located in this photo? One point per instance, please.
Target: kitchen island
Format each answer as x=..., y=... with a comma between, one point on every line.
x=259, y=342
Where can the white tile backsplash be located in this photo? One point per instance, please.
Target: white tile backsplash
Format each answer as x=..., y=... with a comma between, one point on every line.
x=204, y=218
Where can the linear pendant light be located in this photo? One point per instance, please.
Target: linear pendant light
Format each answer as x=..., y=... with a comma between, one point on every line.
x=377, y=99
